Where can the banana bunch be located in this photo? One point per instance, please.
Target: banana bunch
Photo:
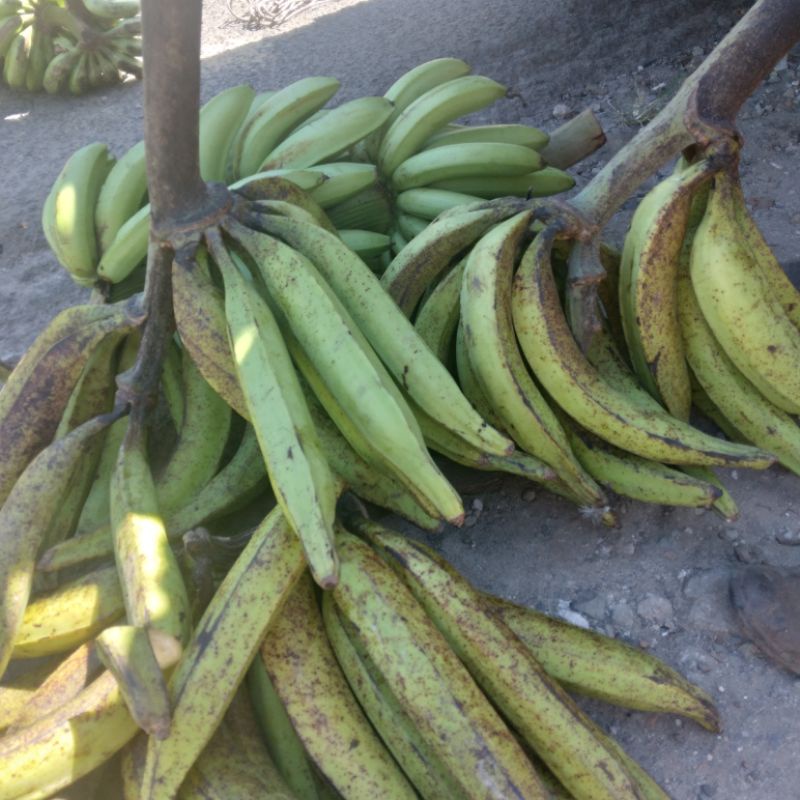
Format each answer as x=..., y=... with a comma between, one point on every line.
x=342, y=156
x=488, y=289
x=47, y=46
x=378, y=685
x=709, y=316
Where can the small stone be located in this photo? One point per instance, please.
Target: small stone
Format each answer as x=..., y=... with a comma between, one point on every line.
x=477, y=505
x=656, y=610
x=697, y=51
x=561, y=111
x=529, y=495
x=566, y=613
x=707, y=790
x=788, y=537
x=470, y=520
x=749, y=553
x=595, y=607
x=729, y=535
x=622, y=616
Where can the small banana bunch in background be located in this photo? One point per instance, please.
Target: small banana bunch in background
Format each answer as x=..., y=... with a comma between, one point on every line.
x=344, y=156
x=47, y=45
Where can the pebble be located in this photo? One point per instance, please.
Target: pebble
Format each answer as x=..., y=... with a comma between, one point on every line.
x=622, y=616
x=707, y=790
x=561, y=111
x=656, y=610
x=788, y=537
x=749, y=553
x=566, y=613
x=595, y=607
x=529, y=495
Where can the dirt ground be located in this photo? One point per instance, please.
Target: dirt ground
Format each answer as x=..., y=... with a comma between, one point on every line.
x=661, y=579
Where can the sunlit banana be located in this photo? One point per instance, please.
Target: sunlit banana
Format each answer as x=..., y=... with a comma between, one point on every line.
x=301, y=478
x=68, y=216
x=221, y=648
x=152, y=586
x=112, y=9
x=16, y=692
x=128, y=248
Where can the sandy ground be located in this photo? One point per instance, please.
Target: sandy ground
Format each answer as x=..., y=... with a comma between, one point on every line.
x=660, y=580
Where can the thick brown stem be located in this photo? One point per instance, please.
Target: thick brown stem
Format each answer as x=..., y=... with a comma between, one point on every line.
x=171, y=51
x=703, y=109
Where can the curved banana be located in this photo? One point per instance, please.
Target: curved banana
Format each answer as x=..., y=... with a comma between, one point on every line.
x=437, y=318
x=367, y=245
x=541, y=183
x=464, y=160
x=428, y=680
x=220, y=119
x=322, y=139
x=121, y=195
x=419, y=264
x=523, y=135
x=307, y=677
x=647, y=285
x=112, y=9
x=343, y=180
x=581, y=391
x=128, y=249
x=276, y=117
x=429, y=112
x=739, y=305
x=497, y=362
x=300, y=476
x=737, y=399
x=600, y=666
x=389, y=332
x=222, y=647
x=68, y=216
x=24, y=518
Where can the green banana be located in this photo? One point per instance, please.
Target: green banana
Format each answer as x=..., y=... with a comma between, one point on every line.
x=221, y=648
x=523, y=135
x=583, y=394
x=389, y=332
x=429, y=112
x=322, y=139
x=542, y=183
x=739, y=305
x=429, y=203
x=276, y=118
x=300, y=476
x=497, y=363
x=306, y=676
x=68, y=216
x=467, y=160
x=366, y=245
x=136, y=657
x=152, y=586
x=220, y=119
x=128, y=249
x=538, y=708
x=121, y=195
x=343, y=179
x=430, y=683
x=25, y=517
